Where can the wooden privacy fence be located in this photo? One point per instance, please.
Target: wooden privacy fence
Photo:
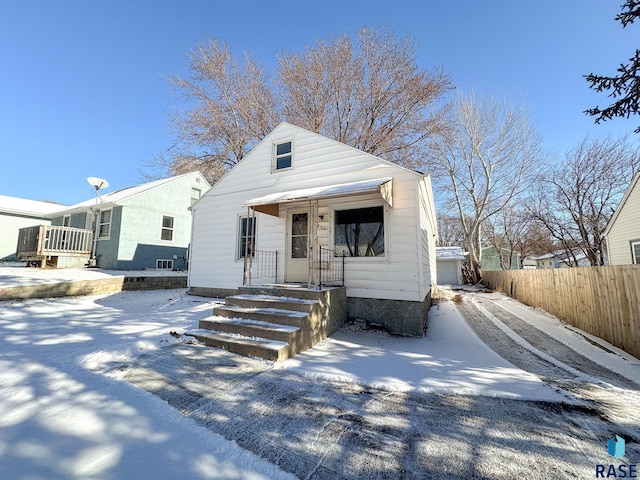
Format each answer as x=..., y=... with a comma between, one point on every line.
x=602, y=301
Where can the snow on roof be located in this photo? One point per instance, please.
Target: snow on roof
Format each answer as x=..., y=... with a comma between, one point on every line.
x=450, y=253
x=123, y=193
x=23, y=206
x=365, y=186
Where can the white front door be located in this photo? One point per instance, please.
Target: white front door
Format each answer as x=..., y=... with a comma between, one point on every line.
x=297, y=258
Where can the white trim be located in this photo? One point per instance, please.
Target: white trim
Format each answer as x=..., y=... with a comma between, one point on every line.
x=274, y=155
x=99, y=223
x=238, y=249
x=169, y=264
x=342, y=206
x=163, y=228
x=616, y=213
x=634, y=258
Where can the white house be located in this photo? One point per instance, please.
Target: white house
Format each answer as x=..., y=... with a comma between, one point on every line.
x=449, y=265
x=297, y=193
x=17, y=213
x=623, y=230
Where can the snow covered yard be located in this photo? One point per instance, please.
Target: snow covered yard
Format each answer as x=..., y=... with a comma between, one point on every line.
x=358, y=405
x=61, y=419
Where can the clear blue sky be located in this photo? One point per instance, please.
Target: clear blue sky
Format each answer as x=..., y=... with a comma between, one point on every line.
x=82, y=91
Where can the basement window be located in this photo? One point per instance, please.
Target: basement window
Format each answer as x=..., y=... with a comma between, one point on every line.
x=164, y=264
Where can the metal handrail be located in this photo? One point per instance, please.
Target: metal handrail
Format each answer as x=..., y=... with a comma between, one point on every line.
x=332, y=265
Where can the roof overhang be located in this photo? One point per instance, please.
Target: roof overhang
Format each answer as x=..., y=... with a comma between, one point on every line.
x=270, y=204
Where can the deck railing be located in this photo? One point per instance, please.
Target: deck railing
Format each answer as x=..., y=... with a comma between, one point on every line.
x=329, y=269
x=49, y=240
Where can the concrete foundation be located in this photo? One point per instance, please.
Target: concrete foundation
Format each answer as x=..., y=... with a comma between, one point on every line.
x=400, y=317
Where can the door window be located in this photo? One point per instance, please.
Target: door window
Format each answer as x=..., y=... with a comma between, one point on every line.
x=299, y=235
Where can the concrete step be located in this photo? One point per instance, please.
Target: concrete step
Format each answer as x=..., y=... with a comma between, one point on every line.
x=271, y=301
x=251, y=328
x=270, y=315
x=273, y=350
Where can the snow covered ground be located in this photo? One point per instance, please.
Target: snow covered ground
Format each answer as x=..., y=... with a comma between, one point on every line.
x=66, y=414
x=15, y=274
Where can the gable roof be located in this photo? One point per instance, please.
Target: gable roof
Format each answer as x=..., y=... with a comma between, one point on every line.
x=627, y=193
x=282, y=125
x=23, y=206
x=112, y=198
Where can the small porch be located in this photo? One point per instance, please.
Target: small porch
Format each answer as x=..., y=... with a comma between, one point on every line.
x=55, y=246
x=308, y=254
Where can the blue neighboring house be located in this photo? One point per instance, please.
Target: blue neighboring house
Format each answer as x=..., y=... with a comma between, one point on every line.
x=147, y=226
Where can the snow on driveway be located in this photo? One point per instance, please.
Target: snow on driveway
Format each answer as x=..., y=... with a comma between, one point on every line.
x=450, y=359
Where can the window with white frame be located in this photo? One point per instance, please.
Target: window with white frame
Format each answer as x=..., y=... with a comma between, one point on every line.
x=196, y=193
x=359, y=232
x=282, y=155
x=104, y=226
x=167, y=228
x=635, y=251
x=164, y=264
x=246, y=236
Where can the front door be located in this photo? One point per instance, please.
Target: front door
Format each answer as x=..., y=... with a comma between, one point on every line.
x=297, y=261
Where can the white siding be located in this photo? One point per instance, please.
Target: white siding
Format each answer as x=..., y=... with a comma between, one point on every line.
x=317, y=161
x=427, y=237
x=625, y=228
x=9, y=226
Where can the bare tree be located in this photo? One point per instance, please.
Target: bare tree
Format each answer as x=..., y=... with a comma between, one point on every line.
x=577, y=198
x=516, y=230
x=491, y=155
x=370, y=94
x=450, y=233
x=230, y=108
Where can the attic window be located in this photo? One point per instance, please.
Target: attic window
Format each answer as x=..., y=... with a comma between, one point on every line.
x=282, y=155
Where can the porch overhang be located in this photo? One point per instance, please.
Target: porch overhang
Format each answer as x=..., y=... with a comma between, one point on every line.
x=270, y=204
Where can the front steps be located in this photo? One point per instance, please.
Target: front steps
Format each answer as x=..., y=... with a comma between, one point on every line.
x=273, y=322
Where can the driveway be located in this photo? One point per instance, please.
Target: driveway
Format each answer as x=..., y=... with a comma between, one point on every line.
x=316, y=427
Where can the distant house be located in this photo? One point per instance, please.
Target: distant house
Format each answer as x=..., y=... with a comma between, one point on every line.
x=623, y=231
x=298, y=194
x=491, y=260
x=143, y=227
x=560, y=259
x=16, y=213
x=449, y=265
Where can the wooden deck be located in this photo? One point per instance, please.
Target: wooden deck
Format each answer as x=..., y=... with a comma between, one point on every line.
x=47, y=243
